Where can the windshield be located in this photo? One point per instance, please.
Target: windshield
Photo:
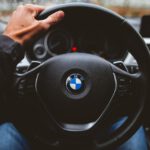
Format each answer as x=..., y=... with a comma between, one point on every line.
x=127, y=8
x=124, y=7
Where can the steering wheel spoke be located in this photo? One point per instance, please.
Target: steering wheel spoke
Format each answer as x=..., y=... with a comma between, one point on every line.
x=126, y=82
x=25, y=79
x=34, y=68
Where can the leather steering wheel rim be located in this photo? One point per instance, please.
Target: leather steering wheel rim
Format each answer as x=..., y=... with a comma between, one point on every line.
x=138, y=49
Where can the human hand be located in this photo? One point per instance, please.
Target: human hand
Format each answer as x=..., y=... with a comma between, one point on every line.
x=23, y=26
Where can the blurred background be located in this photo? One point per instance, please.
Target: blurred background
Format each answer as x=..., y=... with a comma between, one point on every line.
x=128, y=8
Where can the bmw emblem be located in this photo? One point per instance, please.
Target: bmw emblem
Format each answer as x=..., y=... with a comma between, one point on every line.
x=75, y=83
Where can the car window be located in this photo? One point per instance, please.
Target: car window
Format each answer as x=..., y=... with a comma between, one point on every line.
x=124, y=7
x=128, y=8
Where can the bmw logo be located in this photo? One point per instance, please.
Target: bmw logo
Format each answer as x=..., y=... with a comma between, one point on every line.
x=75, y=82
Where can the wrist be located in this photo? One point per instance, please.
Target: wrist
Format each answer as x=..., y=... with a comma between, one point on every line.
x=15, y=38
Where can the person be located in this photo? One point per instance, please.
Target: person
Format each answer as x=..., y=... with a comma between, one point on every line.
x=21, y=30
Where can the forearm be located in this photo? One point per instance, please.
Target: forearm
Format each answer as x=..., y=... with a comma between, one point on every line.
x=10, y=54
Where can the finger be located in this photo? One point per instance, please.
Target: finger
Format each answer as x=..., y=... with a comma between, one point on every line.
x=53, y=19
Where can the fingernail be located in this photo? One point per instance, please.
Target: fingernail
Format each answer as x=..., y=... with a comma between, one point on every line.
x=61, y=14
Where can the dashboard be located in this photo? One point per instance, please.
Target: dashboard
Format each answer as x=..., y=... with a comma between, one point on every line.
x=82, y=36
x=89, y=37
x=92, y=39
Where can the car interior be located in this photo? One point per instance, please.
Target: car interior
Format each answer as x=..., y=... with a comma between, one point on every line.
x=109, y=56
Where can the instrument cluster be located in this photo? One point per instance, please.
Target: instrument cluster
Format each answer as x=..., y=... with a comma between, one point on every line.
x=61, y=40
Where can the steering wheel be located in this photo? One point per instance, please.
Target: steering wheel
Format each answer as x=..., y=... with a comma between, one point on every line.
x=77, y=90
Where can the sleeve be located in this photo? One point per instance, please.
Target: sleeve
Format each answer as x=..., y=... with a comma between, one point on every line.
x=11, y=53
